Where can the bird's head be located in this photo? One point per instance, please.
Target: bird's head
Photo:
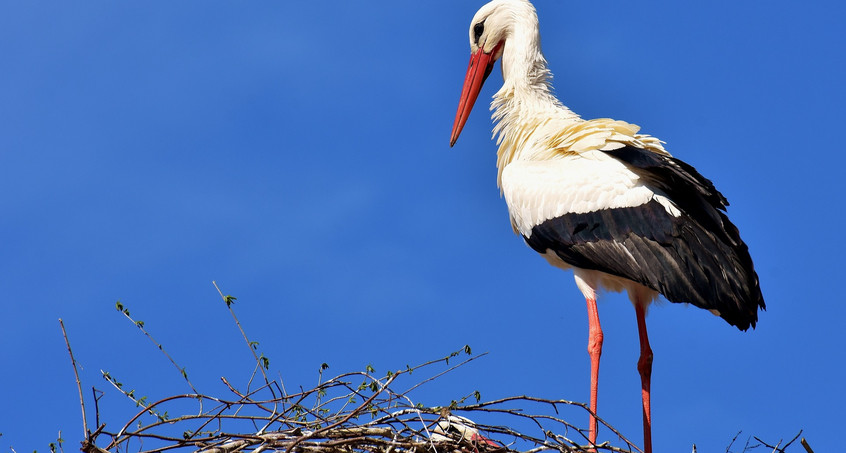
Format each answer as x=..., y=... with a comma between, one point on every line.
x=489, y=30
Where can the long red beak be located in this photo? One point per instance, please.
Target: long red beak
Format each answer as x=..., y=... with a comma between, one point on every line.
x=480, y=67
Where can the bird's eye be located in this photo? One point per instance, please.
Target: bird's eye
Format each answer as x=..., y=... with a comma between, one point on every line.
x=478, y=29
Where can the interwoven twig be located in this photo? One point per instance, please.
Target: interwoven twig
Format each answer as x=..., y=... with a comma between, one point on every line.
x=352, y=412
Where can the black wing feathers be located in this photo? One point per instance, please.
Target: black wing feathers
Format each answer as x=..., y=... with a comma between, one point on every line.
x=697, y=257
x=684, y=185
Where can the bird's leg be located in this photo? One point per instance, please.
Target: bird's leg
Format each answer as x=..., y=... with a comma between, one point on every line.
x=644, y=367
x=595, y=350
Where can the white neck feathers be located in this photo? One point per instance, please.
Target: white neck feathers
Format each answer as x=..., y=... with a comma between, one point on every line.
x=525, y=109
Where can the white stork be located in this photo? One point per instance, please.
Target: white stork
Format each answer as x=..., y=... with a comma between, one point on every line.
x=455, y=428
x=596, y=197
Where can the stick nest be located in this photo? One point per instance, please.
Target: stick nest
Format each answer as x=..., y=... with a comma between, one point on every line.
x=355, y=412
x=352, y=412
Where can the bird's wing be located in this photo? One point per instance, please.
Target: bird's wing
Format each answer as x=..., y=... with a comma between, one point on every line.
x=639, y=215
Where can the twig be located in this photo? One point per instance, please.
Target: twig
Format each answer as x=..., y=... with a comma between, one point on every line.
x=345, y=419
x=140, y=326
x=259, y=363
x=76, y=374
x=777, y=447
x=96, y=404
x=733, y=439
x=446, y=359
x=228, y=300
x=807, y=447
x=149, y=409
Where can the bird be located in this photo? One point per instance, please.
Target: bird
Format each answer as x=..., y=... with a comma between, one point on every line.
x=459, y=429
x=601, y=199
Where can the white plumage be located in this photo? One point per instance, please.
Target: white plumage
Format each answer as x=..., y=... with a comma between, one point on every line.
x=536, y=191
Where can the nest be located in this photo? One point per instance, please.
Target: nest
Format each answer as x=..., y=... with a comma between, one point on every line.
x=352, y=412
x=355, y=412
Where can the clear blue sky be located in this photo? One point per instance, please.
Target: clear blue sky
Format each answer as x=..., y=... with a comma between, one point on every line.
x=297, y=153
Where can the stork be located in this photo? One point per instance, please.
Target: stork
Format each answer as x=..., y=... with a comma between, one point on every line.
x=464, y=430
x=597, y=197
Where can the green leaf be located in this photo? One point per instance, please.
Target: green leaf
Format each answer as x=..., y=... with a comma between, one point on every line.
x=140, y=324
x=119, y=306
x=374, y=386
x=184, y=373
x=254, y=345
x=229, y=300
x=370, y=368
x=324, y=366
x=265, y=362
x=467, y=349
x=477, y=395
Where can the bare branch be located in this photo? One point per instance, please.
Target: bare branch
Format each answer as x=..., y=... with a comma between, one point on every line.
x=807, y=447
x=140, y=326
x=76, y=375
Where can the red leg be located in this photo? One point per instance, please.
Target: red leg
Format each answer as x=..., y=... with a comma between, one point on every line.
x=644, y=367
x=595, y=350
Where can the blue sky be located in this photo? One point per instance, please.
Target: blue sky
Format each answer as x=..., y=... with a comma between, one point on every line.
x=297, y=153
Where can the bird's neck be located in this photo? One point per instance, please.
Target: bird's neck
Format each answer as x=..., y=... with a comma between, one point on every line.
x=525, y=109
